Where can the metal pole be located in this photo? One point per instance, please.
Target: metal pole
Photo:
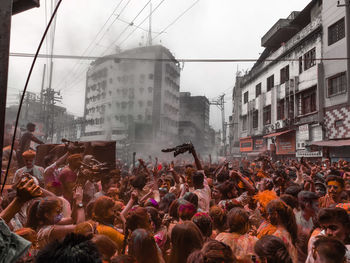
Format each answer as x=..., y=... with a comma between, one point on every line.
x=5, y=31
x=347, y=26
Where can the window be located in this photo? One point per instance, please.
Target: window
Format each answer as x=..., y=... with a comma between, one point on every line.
x=300, y=65
x=280, y=110
x=267, y=115
x=284, y=76
x=150, y=76
x=257, y=90
x=310, y=59
x=336, y=32
x=149, y=103
x=338, y=123
x=255, y=119
x=337, y=84
x=270, y=82
x=244, y=123
x=307, y=101
x=245, y=97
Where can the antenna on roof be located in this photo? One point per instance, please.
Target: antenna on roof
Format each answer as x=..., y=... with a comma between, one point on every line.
x=150, y=25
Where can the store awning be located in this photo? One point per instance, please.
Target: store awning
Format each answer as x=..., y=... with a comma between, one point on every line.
x=276, y=134
x=335, y=143
x=254, y=154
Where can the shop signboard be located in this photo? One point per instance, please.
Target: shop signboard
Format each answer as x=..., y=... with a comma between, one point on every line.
x=259, y=144
x=285, y=144
x=304, y=132
x=308, y=154
x=246, y=145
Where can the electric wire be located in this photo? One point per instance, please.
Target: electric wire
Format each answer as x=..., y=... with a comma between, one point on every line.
x=77, y=80
x=75, y=67
x=176, y=19
x=194, y=60
x=138, y=14
x=78, y=67
x=25, y=89
x=143, y=21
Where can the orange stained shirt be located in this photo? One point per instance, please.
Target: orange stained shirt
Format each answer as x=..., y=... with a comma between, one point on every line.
x=112, y=233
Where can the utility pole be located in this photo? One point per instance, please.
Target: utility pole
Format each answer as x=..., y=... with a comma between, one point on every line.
x=220, y=102
x=50, y=97
x=5, y=31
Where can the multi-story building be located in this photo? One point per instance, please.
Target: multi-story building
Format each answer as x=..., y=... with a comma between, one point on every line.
x=281, y=100
x=133, y=98
x=51, y=128
x=194, y=121
x=335, y=85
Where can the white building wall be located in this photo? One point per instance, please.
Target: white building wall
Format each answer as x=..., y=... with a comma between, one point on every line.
x=331, y=14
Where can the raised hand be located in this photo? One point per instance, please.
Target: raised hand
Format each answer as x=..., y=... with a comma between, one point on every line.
x=27, y=189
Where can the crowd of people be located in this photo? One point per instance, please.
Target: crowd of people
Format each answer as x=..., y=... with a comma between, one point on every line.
x=177, y=212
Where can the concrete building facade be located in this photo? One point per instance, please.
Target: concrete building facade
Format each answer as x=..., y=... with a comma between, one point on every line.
x=291, y=99
x=194, y=121
x=133, y=98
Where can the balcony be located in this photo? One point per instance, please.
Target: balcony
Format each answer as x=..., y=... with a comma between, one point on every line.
x=281, y=32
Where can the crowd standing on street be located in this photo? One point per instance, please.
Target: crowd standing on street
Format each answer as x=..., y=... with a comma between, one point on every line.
x=175, y=211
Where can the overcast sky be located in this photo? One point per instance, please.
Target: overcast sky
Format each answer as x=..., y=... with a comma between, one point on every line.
x=211, y=29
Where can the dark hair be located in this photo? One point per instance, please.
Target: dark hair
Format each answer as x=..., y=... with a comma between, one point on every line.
x=38, y=209
x=222, y=177
x=143, y=247
x=225, y=189
x=138, y=181
x=213, y=251
x=335, y=178
x=218, y=215
x=106, y=246
x=198, y=179
x=166, y=201
x=106, y=179
x=192, y=198
x=272, y=249
x=204, y=223
x=137, y=218
x=30, y=125
x=238, y=220
x=286, y=217
x=101, y=205
x=155, y=216
x=290, y=200
x=73, y=249
x=305, y=197
x=339, y=215
x=174, y=207
x=123, y=259
x=185, y=238
x=331, y=249
x=89, y=209
x=293, y=190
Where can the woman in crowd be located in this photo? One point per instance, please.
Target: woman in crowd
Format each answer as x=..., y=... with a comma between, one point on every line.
x=45, y=217
x=281, y=216
x=143, y=248
x=212, y=252
x=241, y=243
x=185, y=238
x=271, y=249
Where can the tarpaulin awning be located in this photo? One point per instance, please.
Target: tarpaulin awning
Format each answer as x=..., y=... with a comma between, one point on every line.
x=276, y=134
x=335, y=143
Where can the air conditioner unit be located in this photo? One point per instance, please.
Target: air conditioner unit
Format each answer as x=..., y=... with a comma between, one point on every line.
x=280, y=124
